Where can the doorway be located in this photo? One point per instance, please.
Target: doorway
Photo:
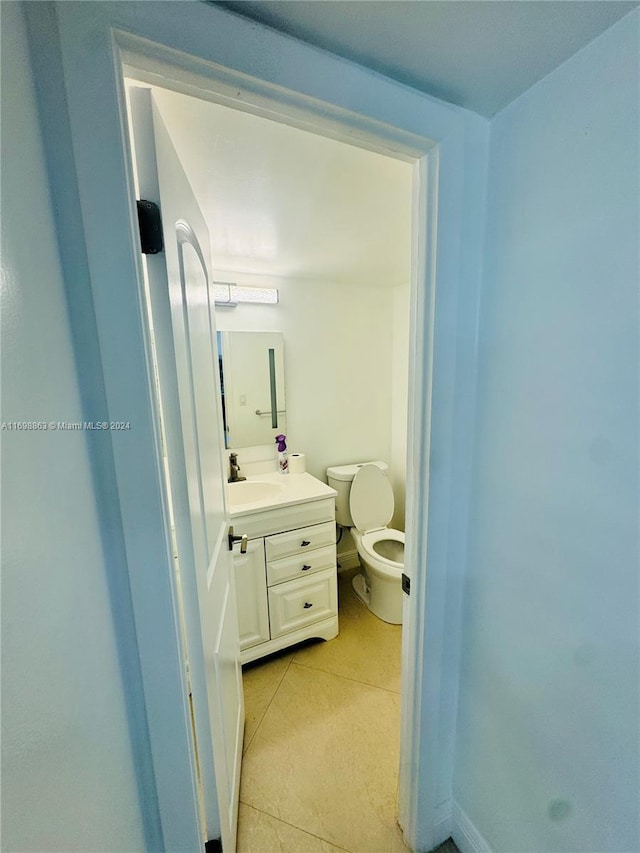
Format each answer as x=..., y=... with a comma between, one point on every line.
x=361, y=373
x=409, y=696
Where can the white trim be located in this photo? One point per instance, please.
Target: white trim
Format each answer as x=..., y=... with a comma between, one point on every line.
x=443, y=823
x=467, y=837
x=212, y=82
x=422, y=296
x=240, y=91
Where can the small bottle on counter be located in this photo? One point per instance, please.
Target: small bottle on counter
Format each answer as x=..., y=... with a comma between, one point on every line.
x=283, y=460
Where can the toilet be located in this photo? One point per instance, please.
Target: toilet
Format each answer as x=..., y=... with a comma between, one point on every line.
x=365, y=504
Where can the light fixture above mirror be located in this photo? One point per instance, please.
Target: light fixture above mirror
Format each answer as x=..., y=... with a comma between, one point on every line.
x=226, y=294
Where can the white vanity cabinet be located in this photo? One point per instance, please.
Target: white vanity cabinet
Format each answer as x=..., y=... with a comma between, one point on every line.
x=286, y=583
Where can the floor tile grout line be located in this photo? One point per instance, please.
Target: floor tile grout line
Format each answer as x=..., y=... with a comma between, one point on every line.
x=255, y=731
x=275, y=817
x=293, y=826
x=346, y=678
x=262, y=716
x=312, y=668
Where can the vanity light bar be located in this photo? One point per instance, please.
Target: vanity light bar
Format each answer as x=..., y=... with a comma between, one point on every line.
x=227, y=295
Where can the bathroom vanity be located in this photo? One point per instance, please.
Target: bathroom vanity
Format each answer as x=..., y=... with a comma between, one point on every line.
x=286, y=582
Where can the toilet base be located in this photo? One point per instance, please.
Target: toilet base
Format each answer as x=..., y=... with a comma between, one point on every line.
x=361, y=589
x=384, y=599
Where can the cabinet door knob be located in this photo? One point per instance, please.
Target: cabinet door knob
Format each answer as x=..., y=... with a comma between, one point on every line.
x=304, y=543
x=305, y=568
x=307, y=605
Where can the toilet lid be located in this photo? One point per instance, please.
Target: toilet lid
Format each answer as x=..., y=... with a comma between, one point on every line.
x=371, y=499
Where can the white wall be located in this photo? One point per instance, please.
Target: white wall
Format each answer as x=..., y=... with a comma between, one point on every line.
x=338, y=365
x=68, y=777
x=547, y=735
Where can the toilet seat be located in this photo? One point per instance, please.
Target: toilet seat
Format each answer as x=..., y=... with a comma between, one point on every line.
x=371, y=504
x=384, y=565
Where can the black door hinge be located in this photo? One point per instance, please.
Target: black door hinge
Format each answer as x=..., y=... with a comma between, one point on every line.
x=406, y=584
x=150, y=225
x=213, y=845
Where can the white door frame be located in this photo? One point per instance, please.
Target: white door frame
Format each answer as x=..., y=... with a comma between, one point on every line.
x=195, y=47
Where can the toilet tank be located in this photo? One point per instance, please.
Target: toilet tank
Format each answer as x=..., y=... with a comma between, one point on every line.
x=340, y=478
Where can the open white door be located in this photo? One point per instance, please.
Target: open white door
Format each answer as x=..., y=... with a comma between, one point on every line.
x=180, y=305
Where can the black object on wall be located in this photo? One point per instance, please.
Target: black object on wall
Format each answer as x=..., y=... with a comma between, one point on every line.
x=150, y=225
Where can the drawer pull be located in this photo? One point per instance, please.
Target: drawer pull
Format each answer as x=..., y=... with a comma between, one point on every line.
x=307, y=605
x=305, y=568
x=305, y=542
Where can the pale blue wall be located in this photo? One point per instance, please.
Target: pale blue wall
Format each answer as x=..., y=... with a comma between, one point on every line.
x=547, y=634
x=68, y=776
x=547, y=735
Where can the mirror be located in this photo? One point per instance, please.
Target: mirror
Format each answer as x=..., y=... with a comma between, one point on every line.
x=252, y=384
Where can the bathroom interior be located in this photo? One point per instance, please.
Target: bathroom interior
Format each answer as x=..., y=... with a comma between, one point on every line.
x=318, y=232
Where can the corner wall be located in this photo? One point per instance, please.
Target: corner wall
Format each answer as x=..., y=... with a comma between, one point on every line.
x=547, y=735
x=68, y=776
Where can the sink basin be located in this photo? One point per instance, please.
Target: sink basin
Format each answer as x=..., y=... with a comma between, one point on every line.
x=252, y=491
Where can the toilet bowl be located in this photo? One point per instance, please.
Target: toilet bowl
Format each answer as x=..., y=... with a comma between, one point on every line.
x=365, y=504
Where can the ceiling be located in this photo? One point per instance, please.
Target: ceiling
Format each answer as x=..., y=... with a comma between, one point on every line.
x=479, y=54
x=280, y=201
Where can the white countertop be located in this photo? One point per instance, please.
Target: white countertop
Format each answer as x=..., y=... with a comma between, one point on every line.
x=293, y=489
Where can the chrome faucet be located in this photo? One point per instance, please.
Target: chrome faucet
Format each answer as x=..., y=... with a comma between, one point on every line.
x=234, y=468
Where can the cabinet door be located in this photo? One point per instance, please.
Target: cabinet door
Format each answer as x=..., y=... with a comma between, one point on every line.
x=251, y=594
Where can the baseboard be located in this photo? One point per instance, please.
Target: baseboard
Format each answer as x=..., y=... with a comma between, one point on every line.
x=467, y=837
x=442, y=827
x=348, y=560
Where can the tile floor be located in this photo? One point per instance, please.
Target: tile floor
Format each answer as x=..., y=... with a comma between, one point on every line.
x=320, y=768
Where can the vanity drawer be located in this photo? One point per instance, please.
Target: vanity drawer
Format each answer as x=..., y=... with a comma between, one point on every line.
x=298, y=603
x=301, y=565
x=300, y=541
